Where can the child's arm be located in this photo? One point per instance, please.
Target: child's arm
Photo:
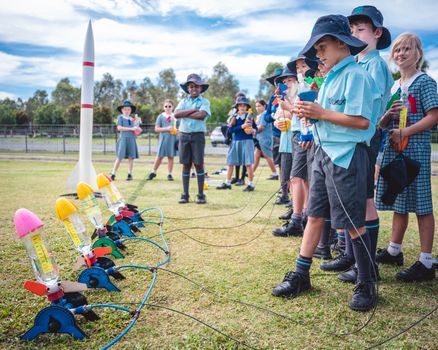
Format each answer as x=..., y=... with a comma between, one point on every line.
x=185, y=113
x=429, y=121
x=313, y=110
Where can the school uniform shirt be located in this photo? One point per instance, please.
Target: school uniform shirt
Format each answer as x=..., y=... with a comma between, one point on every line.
x=268, y=116
x=417, y=197
x=348, y=89
x=166, y=141
x=377, y=67
x=193, y=125
x=265, y=137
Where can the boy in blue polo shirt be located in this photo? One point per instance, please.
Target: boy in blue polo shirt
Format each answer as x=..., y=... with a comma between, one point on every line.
x=193, y=112
x=347, y=104
x=366, y=23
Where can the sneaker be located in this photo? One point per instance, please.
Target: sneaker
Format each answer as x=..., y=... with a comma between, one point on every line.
x=340, y=263
x=234, y=180
x=224, y=186
x=287, y=215
x=364, y=297
x=113, y=177
x=201, y=199
x=288, y=229
x=151, y=176
x=282, y=201
x=240, y=182
x=350, y=276
x=184, y=199
x=272, y=177
x=416, y=273
x=336, y=248
x=323, y=253
x=292, y=285
x=249, y=188
x=129, y=178
x=169, y=177
x=383, y=257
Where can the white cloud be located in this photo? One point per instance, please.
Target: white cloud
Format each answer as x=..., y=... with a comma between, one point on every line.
x=4, y=94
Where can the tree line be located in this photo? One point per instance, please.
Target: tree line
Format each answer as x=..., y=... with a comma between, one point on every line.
x=63, y=105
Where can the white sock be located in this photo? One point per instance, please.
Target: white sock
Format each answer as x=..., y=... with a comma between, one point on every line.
x=394, y=248
x=275, y=174
x=426, y=259
x=251, y=184
x=154, y=171
x=113, y=172
x=228, y=182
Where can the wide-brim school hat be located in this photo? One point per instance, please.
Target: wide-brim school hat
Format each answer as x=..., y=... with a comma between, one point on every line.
x=377, y=18
x=287, y=73
x=399, y=174
x=336, y=26
x=275, y=75
x=242, y=100
x=195, y=79
x=127, y=104
x=312, y=63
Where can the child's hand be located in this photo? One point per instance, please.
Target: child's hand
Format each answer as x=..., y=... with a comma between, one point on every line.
x=395, y=138
x=309, y=110
x=169, y=128
x=305, y=145
x=394, y=110
x=285, y=105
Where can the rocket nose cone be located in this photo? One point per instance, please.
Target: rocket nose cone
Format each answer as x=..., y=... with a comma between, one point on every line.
x=89, y=44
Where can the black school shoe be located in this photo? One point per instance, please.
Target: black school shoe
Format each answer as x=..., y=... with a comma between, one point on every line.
x=340, y=263
x=223, y=186
x=364, y=297
x=287, y=215
x=233, y=180
x=383, y=257
x=113, y=177
x=272, y=177
x=240, y=183
x=151, y=176
x=416, y=273
x=350, y=276
x=129, y=178
x=184, y=199
x=201, y=199
x=169, y=177
x=323, y=253
x=292, y=285
x=249, y=188
x=282, y=200
x=288, y=229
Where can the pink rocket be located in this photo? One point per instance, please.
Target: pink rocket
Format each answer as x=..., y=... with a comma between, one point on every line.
x=84, y=170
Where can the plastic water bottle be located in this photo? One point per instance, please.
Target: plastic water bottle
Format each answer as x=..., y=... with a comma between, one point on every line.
x=89, y=204
x=29, y=229
x=404, y=109
x=110, y=193
x=67, y=212
x=303, y=94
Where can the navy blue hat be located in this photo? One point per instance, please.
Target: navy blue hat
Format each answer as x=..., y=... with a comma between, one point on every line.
x=195, y=79
x=376, y=18
x=287, y=72
x=242, y=100
x=127, y=104
x=336, y=26
x=275, y=75
x=312, y=63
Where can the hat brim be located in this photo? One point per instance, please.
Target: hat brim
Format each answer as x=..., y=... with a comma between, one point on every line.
x=204, y=87
x=385, y=40
x=353, y=43
x=247, y=104
x=287, y=75
x=271, y=79
x=133, y=108
x=312, y=63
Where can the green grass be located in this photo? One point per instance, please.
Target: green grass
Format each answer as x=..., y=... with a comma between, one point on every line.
x=246, y=272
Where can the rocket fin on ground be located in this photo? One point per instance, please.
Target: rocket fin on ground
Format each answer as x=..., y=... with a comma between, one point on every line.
x=79, y=173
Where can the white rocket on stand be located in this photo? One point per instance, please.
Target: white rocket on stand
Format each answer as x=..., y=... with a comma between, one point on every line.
x=84, y=170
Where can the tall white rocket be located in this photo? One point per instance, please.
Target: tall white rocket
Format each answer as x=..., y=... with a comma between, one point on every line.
x=84, y=170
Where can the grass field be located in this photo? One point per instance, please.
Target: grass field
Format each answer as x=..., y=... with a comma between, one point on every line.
x=246, y=272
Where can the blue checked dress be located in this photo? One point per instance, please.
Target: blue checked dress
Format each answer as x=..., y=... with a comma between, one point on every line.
x=416, y=198
x=126, y=144
x=166, y=141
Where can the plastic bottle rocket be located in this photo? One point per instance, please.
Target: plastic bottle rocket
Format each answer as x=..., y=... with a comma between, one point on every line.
x=136, y=121
x=111, y=195
x=174, y=130
x=29, y=229
x=89, y=205
x=303, y=92
x=403, y=119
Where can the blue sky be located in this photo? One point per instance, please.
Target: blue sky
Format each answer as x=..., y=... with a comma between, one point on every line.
x=41, y=41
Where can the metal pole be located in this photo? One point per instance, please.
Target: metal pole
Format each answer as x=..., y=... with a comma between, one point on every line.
x=25, y=138
x=63, y=143
x=104, y=144
x=149, y=137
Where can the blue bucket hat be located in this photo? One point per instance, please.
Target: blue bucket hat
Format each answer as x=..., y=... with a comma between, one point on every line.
x=336, y=26
x=127, y=104
x=242, y=100
x=277, y=72
x=288, y=72
x=195, y=79
x=312, y=63
x=376, y=18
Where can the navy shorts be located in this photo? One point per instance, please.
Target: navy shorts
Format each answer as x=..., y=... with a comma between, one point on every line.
x=275, y=150
x=191, y=148
x=286, y=167
x=373, y=151
x=330, y=185
x=300, y=158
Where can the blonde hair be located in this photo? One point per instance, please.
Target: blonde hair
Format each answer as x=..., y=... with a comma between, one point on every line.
x=168, y=100
x=412, y=41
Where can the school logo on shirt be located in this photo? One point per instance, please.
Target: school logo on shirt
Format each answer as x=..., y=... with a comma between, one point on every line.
x=336, y=102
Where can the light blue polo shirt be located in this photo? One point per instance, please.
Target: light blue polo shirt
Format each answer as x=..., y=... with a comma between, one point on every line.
x=377, y=67
x=349, y=89
x=189, y=124
x=286, y=141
